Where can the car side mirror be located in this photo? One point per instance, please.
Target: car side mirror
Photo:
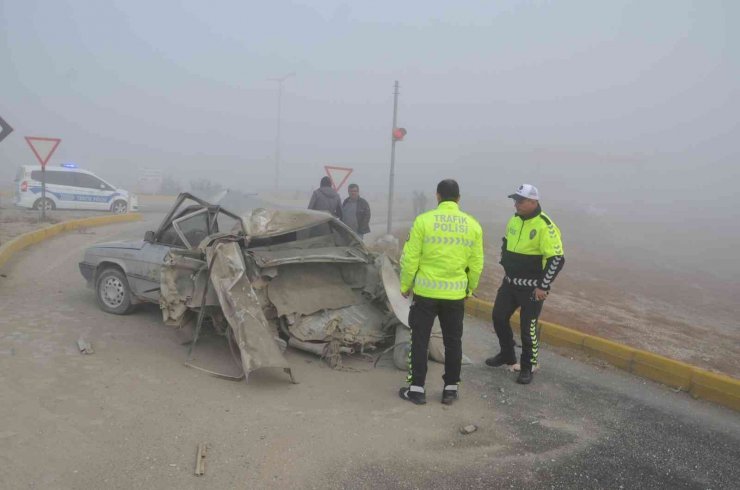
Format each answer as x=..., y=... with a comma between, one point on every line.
x=149, y=237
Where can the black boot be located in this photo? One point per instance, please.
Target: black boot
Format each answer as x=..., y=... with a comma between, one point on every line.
x=449, y=396
x=525, y=375
x=500, y=359
x=417, y=397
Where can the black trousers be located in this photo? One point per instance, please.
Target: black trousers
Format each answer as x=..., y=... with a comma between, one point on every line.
x=508, y=299
x=421, y=319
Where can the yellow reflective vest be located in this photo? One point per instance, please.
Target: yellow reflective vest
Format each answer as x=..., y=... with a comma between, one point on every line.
x=443, y=256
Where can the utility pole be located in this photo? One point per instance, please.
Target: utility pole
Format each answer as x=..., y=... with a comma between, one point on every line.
x=393, y=159
x=279, y=81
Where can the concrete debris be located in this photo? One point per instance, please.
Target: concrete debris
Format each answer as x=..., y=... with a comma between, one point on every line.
x=84, y=346
x=468, y=429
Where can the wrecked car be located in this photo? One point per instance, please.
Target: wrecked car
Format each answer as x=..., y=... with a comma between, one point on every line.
x=264, y=280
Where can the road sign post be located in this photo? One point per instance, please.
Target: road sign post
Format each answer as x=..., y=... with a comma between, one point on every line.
x=43, y=148
x=397, y=134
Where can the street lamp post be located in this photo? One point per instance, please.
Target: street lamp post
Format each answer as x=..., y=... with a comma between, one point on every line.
x=279, y=81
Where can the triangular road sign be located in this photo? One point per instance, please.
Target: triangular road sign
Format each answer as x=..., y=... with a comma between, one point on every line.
x=43, y=148
x=338, y=172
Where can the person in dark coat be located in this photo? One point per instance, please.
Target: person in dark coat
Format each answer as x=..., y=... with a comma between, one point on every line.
x=356, y=211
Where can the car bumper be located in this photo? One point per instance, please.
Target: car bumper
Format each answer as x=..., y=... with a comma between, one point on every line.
x=88, y=272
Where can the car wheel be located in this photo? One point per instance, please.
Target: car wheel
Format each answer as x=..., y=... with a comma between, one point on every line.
x=119, y=207
x=113, y=292
x=46, y=203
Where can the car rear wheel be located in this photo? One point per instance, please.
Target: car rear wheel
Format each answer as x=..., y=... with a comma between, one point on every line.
x=113, y=292
x=119, y=207
x=44, y=202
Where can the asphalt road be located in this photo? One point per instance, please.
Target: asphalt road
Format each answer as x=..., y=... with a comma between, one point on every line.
x=131, y=415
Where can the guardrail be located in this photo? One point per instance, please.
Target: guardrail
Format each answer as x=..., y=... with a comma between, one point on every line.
x=700, y=383
x=27, y=239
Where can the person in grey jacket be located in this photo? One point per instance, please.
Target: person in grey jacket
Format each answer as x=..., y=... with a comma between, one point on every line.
x=325, y=198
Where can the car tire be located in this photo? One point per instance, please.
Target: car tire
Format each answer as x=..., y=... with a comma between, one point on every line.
x=113, y=292
x=119, y=207
x=50, y=206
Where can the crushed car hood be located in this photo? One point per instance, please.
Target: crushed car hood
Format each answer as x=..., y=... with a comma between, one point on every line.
x=264, y=223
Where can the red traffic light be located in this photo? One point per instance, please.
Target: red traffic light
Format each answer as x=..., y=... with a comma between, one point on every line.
x=399, y=133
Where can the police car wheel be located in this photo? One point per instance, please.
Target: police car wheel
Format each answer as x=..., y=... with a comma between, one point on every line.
x=119, y=207
x=112, y=292
x=46, y=203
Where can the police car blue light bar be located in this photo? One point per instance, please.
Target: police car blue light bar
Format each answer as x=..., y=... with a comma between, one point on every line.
x=70, y=165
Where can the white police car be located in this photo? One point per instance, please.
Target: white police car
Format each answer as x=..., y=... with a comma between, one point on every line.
x=70, y=187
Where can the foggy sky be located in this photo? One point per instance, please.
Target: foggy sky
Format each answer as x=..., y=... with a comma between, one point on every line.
x=615, y=104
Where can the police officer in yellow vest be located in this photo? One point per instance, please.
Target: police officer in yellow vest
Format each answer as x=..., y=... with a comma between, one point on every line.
x=442, y=262
x=532, y=256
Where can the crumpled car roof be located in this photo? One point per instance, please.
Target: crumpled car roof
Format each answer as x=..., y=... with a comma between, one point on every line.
x=263, y=223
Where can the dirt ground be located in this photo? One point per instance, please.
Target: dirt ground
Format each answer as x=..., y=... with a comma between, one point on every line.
x=16, y=221
x=131, y=415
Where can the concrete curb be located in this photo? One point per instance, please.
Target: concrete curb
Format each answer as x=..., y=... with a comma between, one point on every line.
x=32, y=237
x=700, y=383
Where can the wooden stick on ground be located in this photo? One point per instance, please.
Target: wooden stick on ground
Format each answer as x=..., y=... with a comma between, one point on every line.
x=200, y=461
